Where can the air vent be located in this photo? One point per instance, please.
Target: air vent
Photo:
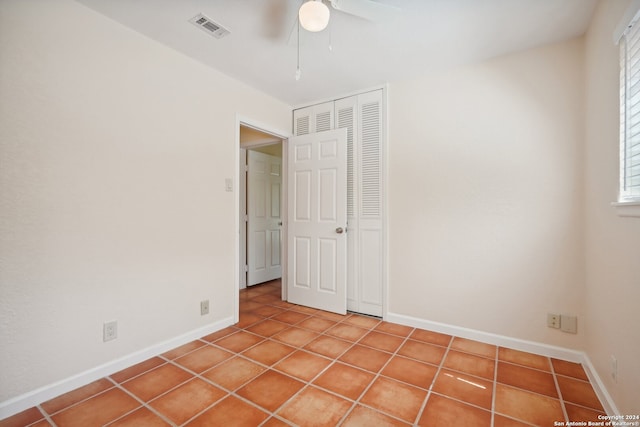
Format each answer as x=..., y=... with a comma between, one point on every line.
x=208, y=26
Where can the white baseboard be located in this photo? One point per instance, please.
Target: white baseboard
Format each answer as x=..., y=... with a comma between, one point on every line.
x=598, y=386
x=25, y=401
x=516, y=344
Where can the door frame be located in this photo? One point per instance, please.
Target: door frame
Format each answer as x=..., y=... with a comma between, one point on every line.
x=284, y=136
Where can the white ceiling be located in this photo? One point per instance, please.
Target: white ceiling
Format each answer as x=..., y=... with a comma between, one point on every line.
x=426, y=35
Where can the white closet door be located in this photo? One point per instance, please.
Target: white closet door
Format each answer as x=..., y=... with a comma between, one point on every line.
x=317, y=216
x=264, y=219
x=370, y=245
x=362, y=117
x=316, y=118
x=347, y=118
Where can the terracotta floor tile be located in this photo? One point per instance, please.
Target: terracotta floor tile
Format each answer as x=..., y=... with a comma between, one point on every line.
x=410, y=371
x=361, y=321
x=328, y=346
x=362, y=416
x=268, y=327
x=317, y=324
x=441, y=411
x=303, y=365
x=580, y=392
x=97, y=410
x=230, y=412
x=331, y=316
x=579, y=413
x=267, y=298
x=268, y=310
x=347, y=332
x=326, y=369
x=296, y=337
x=234, y=372
x=395, y=398
x=183, y=349
x=527, y=379
x=157, y=381
x=365, y=358
x=23, y=418
x=382, y=341
x=474, y=347
x=525, y=359
x=569, y=369
x=270, y=390
x=345, y=380
x=422, y=351
x=54, y=405
x=526, y=406
x=137, y=369
x=248, y=319
x=315, y=407
x=502, y=421
x=274, y=422
x=247, y=305
x=185, y=401
x=268, y=352
x=467, y=388
x=291, y=317
x=140, y=417
x=470, y=364
x=303, y=309
x=220, y=334
x=431, y=337
x=239, y=341
x=394, y=329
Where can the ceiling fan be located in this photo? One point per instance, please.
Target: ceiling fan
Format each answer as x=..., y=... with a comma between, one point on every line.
x=314, y=14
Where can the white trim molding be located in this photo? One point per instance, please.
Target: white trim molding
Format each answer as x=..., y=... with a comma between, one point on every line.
x=547, y=350
x=627, y=209
x=30, y=399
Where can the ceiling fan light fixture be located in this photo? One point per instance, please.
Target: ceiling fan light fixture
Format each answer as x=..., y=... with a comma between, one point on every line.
x=314, y=16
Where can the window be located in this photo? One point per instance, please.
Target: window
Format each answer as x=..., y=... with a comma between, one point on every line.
x=630, y=114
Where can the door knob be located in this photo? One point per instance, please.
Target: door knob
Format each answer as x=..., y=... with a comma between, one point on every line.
x=339, y=230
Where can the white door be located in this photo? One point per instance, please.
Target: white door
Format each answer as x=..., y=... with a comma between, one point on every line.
x=317, y=215
x=264, y=190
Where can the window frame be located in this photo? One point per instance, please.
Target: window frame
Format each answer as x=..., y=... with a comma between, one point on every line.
x=628, y=36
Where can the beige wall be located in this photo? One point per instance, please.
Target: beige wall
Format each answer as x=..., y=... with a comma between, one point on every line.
x=612, y=242
x=485, y=195
x=113, y=156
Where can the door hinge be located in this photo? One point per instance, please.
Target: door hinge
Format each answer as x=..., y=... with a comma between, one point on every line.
x=246, y=268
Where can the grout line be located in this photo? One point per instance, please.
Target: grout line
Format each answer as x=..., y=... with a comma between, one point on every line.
x=555, y=380
x=435, y=377
x=495, y=386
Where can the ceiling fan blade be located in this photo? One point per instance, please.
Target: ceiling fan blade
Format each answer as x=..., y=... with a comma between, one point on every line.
x=366, y=9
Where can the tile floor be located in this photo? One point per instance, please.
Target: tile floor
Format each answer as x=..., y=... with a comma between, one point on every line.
x=284, y=364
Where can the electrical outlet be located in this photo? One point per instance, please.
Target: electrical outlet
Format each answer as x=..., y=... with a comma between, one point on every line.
x=553, y=320
x=204, y=307
x=109, y=331
x=614, y=369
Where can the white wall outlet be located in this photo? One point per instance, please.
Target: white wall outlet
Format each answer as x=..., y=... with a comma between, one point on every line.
x=228, y=185
x=569, y=324
x=109, y=331
x=204, y=307
x=553, y=320
x=614, y=369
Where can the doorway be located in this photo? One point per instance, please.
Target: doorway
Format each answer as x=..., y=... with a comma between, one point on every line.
x=261, y=205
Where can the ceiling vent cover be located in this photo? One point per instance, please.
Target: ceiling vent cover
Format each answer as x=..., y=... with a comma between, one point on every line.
x=208, y=26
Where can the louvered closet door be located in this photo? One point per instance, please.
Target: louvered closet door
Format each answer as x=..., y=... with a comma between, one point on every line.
x=369, y=169
x=361, y=115
x=317, y=118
